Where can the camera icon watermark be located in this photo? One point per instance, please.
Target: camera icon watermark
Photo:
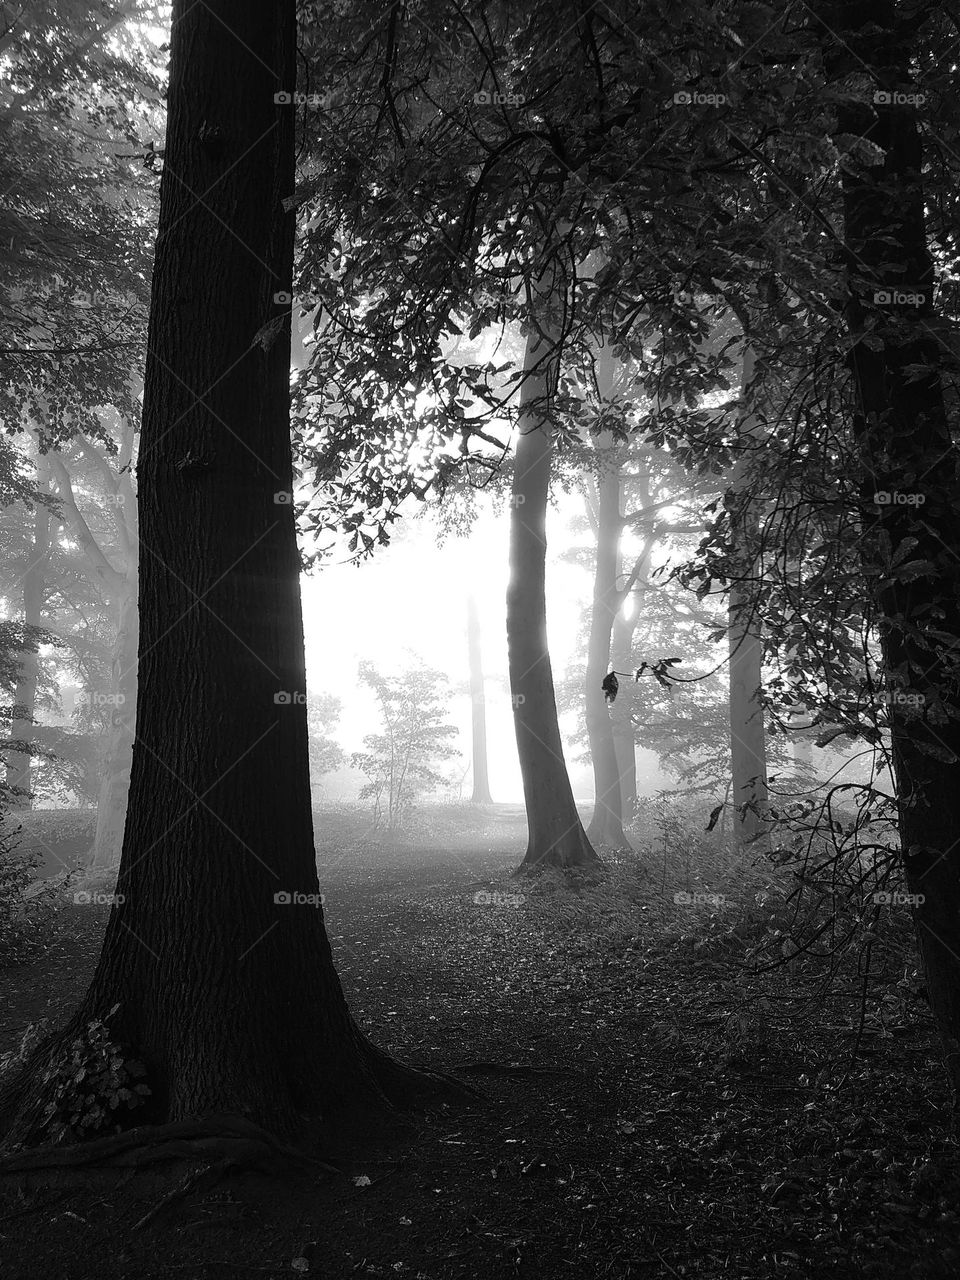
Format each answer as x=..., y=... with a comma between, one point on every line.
x=896, y=498
x=93, y=698
x=488, y=898
x=894, y=98
x=283, y=499
x=484, y=98
x=684, y=899
x=693, y=98
x=900, y=298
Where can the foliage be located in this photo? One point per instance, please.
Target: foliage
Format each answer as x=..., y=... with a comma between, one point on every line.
x=326, y=754
x=400, y=762
x=92, y=1085
x=28, y=906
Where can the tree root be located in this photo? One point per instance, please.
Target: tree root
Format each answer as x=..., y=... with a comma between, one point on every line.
x=227, y=1140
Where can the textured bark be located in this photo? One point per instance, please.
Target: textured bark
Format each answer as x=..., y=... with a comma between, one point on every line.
x=902, y=434
x=118, y=757
x=555, y=834
x=606, y=825
x=748, y=748
x=19, y=772
x=227, y=994
x=624, y=737
x=478, y=709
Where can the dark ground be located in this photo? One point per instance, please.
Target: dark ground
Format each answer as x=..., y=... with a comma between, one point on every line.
x=654, y=1112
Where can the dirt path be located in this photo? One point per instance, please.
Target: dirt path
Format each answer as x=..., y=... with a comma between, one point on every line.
x=639, y=1124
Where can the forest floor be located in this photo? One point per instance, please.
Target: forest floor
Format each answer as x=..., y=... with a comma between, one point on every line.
x=652, y=1107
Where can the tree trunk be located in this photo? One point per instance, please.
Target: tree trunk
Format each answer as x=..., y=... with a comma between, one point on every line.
x=606, y=825
x=748, y=748
x=224, y=979
x=555, y=835
x=478, y=708
x=624, y=737
x=118, y=758
x=911, y=476
x=19, y=772
x=801, y=747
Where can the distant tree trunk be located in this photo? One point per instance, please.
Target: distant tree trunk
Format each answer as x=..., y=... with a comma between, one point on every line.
x=801, y=748
x=226, y=991
x=478, y=708
x=624, y=735
x=119, y=586
x=748, y=747
x=118, y=758
x=555, y=836
x=902, y=433
x=19, y=770
x=606, y=825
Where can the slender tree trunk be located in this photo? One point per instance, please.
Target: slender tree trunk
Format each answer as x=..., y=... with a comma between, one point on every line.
x=226, y=988
x=621, y=713
x=748, y=748
x=118, y=758
x=911, y=475
x=606, y=826
x=555, y=835
x=478, y=708
x=19, y=771
x=801, y=748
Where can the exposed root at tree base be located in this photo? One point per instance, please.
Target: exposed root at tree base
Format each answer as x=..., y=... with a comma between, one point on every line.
x=225, y=1140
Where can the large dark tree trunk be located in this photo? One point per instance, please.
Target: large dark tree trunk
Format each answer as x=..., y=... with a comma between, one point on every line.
x=478, y=709
x=19, y=771
x=606, y=825
x=904, y=442
x=226, y=987
x=555, y=835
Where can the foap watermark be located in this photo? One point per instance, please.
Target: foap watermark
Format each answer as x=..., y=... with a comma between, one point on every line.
x=684, y=899
x=484, y=98
x=284, y=698
x=294, y=898
x=897, y=98
x=97, y=898
x=488, y=898
x=898, y=498
x=900, y=297
x=899, y=698
x=694, y=98
x=517, y=699
x=93, y=698
x=285, y=98
x=283, y=498
x=890, y=898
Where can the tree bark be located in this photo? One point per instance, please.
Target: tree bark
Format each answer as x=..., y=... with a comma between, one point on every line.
x=902, y=435
x=606, y=825
x=624, y=736
x=555, y=834
x=748, y=748
x=118, y=757
x=226, y=991
x=19, y=770
x=478, y=708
